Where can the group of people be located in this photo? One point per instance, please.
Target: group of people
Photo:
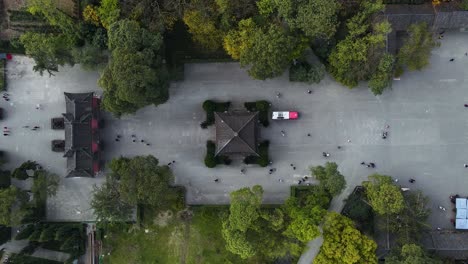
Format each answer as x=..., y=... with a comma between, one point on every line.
x=368, y=165
x=6, y=97
x=134, y=140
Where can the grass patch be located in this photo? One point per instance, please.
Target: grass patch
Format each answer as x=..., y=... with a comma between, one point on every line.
x=202, y=244
x=263, y=108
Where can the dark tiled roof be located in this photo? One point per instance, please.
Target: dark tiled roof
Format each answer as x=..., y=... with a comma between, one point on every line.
x=79, y=134
x=236, y=133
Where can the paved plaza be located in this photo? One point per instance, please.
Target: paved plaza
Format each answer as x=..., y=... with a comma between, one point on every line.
x=427, y=138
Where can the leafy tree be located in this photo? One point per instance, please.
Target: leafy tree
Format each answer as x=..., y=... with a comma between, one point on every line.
x=245, y=205
x=410, y=223
x=416, y=50
x=91, y=15
x=330, y=178
x=141, y=179
x=109, y=12
x=49, y=51
x=237, y=242
x=135, y=76
x=108, y=204
x=90, y=57
x=203, y=29
x=267, y=51
x=384, y=196
x=344, y=244
x=304, y=227
x=355, y=57
x=45, y=185
x=317, y=18
x=411, y=254
x=8, y=197
x=382, y=77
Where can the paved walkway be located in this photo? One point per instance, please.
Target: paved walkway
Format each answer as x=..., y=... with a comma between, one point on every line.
x=427, y=141
x=15, y=246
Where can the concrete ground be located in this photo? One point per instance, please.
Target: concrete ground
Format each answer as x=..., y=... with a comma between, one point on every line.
x=427, y=137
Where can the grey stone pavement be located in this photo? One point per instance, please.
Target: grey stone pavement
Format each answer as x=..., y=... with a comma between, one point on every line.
x=427, y=140
x=15, y=246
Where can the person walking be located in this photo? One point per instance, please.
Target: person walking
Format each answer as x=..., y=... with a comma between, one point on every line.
x=412, y=180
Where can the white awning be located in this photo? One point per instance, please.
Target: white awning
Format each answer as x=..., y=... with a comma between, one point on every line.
x=460, y=203
x=461, y=224
x=461, y=213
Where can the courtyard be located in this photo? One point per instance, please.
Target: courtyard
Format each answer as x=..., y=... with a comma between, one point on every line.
x=427, y=135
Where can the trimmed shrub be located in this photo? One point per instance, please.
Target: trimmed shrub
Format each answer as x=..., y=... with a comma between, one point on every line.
x=210, y=108
x=5, y=179
x=263, y=160
x=263, y=108
x=5, y=234
x=25, y=233
x=210, y=159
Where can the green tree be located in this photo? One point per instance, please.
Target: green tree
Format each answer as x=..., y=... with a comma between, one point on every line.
x=237, y=242
x=135, y=76
x=409, y=224
x=382, y=77
x=411, y=254
x=317, y=18
x=90, y=57
x=245, y=206
x=142, y=180
x=355, y=57
x=383, y=195
x=344, y=244
x=8, y=197
x=330, y=178
x=45, y=185
x=203, y=29
x=108, y=204
x=416, y=51
x=304, y=227
x=49, y=51
x=109, y=12
x=270, y=54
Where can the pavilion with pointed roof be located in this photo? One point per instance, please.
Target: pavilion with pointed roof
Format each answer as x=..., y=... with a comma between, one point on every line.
x=236, y=133
x=82, y=134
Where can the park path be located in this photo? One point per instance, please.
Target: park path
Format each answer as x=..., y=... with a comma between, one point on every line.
x=15, y=246
x=313, y=247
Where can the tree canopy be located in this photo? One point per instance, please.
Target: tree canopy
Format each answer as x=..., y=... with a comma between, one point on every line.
x=343, y=243
x=382, y=77
x=245, y=205
x=411, y=254
x=267, y=51
x=135, y=76
x=330, y=178
x=141, y=179
x=45, y=184
x=355, y=57
x=416, y=51
x=383, y=195
x=108, y=204
x=8, y=197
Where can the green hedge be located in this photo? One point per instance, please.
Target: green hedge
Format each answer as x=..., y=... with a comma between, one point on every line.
x=211, y=160
x=210, y=108
x=5, y=234
x=263, y=108
x=302, y=71
x=5, y=179
x=11, y=46
x=24, y=16
x=24, y=259
x=263, y=160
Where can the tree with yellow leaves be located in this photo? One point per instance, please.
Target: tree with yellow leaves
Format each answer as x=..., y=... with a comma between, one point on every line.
x=344, y=244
